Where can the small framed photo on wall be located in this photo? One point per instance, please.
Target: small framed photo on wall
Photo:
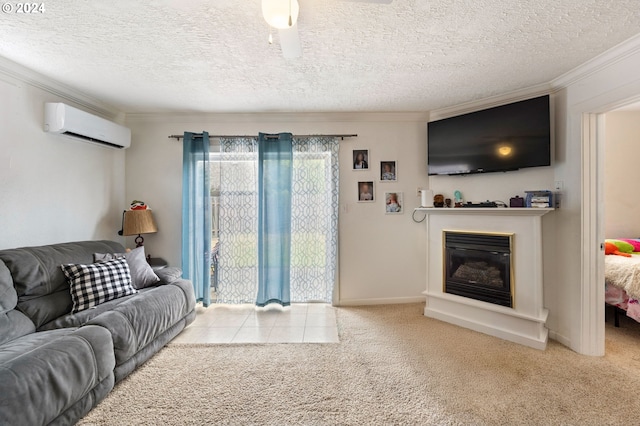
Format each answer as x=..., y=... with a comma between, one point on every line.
x=388, y=171
x=360, y=159
x=393, y=203
x=365, y=192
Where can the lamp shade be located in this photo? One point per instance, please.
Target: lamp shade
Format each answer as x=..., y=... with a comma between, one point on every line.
x=277, y=13
x=138, y=222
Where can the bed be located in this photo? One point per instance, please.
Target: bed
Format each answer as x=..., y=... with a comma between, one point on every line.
x=622, y=284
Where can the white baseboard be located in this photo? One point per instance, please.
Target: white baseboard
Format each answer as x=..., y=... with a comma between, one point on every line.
x=380, y=301
x=560, y=338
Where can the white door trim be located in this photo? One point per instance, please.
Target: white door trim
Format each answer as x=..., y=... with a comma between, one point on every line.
x=592, y=291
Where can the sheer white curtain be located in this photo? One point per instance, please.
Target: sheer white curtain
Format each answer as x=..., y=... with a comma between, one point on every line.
x=314, y=219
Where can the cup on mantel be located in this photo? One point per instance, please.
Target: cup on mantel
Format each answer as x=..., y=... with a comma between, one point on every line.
x=426, y=198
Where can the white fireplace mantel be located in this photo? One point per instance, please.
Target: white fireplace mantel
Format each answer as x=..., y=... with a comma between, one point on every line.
x=525, y=322
x=485, y=211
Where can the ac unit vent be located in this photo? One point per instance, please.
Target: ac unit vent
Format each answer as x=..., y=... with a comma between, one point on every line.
x=72, y=122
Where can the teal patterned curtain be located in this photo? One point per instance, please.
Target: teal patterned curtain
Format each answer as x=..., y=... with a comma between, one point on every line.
x=314, y=220
x=275, y=175
x=196, y=215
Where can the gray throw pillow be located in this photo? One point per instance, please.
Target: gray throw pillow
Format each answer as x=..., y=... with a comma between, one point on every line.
x=142, y=274
x=168, y=275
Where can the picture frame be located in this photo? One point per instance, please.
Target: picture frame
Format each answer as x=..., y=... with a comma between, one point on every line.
x=366, y=191
x=360, y=159
x=393, y=202
x=388, y=171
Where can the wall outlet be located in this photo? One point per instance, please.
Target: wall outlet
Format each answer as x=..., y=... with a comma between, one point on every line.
x=418, y=192
x=559, y=185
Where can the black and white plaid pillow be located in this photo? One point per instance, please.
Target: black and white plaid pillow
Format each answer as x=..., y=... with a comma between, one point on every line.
x=97, y=283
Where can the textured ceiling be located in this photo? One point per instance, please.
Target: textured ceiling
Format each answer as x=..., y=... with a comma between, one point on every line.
x=213, y=56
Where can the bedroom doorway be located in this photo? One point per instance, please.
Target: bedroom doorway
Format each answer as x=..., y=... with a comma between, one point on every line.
x=593, y=222
x=619, y=221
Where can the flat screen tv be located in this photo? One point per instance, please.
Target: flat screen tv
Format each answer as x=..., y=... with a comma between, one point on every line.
x=504, y=138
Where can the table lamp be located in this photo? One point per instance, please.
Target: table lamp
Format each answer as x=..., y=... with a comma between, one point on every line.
x=137, y=222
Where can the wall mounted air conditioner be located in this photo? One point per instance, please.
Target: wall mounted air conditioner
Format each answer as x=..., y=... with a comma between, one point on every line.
x=69, y=121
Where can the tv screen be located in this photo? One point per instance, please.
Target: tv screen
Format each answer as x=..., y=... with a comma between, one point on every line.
x=508, y=137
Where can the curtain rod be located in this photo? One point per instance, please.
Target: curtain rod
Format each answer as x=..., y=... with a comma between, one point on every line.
x=178, y=137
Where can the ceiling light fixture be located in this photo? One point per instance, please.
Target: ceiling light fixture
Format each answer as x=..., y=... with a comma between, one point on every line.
x=280, y=14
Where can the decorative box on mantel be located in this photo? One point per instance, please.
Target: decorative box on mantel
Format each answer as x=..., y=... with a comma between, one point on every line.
x=485, y=272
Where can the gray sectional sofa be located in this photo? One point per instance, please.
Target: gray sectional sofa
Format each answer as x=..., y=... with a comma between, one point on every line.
x=54, y=365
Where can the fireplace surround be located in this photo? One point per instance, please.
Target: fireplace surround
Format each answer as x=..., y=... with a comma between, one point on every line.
x=524, y=321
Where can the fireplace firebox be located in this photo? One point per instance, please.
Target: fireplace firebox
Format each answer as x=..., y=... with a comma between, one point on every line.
x=479, y=266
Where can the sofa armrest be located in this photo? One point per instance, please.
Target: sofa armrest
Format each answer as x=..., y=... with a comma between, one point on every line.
x=43, y=374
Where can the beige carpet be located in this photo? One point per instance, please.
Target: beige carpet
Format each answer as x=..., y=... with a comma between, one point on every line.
x=393, y=366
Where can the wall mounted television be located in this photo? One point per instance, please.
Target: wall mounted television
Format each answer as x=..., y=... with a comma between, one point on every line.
x=504, y=138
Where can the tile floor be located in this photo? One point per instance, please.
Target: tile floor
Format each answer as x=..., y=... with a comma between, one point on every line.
x=298, y=323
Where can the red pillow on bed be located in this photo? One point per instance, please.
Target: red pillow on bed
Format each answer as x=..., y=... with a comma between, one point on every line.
x=634, y=243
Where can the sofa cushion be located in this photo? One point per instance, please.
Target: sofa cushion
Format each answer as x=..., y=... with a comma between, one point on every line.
x=81, y=318
x=49, y=371
x=142, y=274
x=8, y=295
x=97, y=283
x=43, y=292
x=13, y=323
x=139, y=320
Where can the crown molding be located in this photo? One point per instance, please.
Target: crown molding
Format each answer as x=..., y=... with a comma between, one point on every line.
x=273, y=117
x=617, y=53
x=494, y=101
x=13, y=72
x=630, y=108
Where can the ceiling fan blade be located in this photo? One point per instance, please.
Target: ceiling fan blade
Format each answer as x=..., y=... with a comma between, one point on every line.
x=290, y=42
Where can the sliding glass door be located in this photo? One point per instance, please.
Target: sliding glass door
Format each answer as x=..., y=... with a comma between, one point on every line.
x=314, y=224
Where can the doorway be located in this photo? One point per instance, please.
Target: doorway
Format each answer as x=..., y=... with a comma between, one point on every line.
x=621, y=149
x=594, y=226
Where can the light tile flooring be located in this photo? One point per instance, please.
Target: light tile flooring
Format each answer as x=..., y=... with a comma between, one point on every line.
x=298, y=323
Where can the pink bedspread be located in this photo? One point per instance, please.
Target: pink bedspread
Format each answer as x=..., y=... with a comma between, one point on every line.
x=618, y=297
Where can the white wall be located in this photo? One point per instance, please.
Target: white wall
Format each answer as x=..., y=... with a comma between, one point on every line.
x=494, y=186
x=382, y=257
x=52, y=189
x=576, y=294
x=621, y=172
